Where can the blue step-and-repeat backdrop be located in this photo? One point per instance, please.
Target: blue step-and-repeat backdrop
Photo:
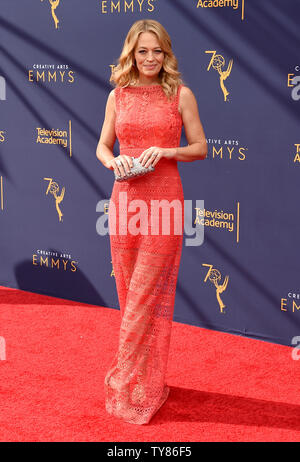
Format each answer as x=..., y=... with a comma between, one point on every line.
x=241, y=60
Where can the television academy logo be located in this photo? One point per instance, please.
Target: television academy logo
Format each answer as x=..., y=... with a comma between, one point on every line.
x=219, y=219
x=56, y=136
x=234, y=4
x=297, y=153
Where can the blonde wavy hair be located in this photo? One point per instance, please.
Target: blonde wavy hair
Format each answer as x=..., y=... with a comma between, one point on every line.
x=126, y=73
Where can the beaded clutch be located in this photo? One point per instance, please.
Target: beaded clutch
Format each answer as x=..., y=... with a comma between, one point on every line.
x=136, y=170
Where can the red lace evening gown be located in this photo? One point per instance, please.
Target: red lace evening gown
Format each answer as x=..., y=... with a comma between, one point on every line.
x=145, y=265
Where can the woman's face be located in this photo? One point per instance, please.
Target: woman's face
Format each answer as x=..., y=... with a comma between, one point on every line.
x=149, y=56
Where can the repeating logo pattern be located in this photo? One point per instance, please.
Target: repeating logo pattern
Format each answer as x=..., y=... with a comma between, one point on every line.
x=220, y=218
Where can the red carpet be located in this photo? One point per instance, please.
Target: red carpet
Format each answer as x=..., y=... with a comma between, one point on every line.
x=223, y=387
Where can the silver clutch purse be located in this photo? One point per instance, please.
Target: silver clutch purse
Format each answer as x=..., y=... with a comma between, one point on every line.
x=136, y=170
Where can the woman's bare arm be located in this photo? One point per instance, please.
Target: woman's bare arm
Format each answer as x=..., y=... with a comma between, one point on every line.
x=197, y=147
x=104, y=151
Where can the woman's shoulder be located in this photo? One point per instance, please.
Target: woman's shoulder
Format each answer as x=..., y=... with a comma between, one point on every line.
x=186, y=94
x=185, y=91
x=112, y=93
x=111, y=99
x=186, y=98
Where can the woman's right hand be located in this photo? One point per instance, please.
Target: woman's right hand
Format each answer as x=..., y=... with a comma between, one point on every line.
x=126, y=163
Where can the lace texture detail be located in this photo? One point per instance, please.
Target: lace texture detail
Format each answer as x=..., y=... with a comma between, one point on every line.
x=145, y=265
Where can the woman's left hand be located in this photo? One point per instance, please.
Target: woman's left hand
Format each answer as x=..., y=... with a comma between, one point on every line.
x=154, y=154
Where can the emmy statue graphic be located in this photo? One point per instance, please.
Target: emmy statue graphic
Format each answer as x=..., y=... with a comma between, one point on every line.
x=54, y=4
x=214, y=276
x=53, y=189
x=112, y=273
x=217, y=62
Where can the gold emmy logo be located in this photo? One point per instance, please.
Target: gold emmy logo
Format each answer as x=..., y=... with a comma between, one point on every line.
x=54, y=4
x=297, y=155
x=53, y=188
x=112, y=273
x=217, y=62
x=214, y=276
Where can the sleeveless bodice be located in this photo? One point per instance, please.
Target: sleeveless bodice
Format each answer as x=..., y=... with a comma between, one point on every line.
x=144, y=118
x=145, y=254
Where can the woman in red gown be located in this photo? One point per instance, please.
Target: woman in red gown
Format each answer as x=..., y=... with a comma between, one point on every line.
x=146, y=111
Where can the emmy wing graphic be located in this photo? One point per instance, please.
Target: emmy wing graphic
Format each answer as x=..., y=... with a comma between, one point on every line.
x=214, y=276
x=54, y=4
x=53, y=188
x=217, y=62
